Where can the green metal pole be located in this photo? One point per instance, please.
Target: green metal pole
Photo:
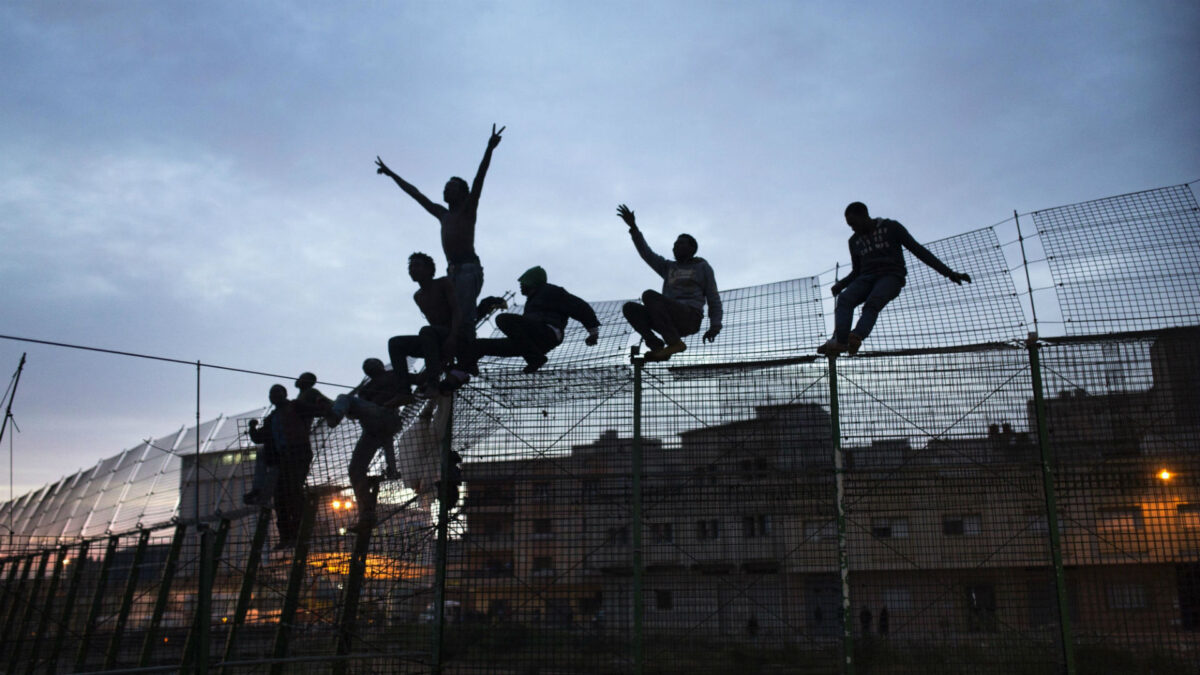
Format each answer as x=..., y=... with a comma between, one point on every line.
x=1060, y=579
x=164, y=595
x=89, y=628
x=64, y=625
x=114, y=643
x=44, y=621
x=19, y=636
x=14, y=600
x=348, y=621
x=198, y=647
x=639, y=600
x=248, y=578
x=442, y=546
x=839, y=479
x=291, y=600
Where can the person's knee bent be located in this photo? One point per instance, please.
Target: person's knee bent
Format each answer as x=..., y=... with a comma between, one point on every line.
x=507, y=322
x=652, y=297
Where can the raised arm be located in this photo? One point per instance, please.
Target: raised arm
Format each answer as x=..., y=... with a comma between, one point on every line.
x=477, y=184
x=923, y=254
x=435, y=210
x=654, y=260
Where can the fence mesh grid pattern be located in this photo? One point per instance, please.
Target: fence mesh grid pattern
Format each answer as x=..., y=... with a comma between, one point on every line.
x=744, y=506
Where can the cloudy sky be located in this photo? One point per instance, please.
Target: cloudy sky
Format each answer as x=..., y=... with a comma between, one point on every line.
x=196, y=180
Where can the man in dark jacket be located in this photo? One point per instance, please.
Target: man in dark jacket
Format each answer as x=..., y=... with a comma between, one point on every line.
x=284, y=437
x=876, y=277
x=688, y=283
x=540, y=329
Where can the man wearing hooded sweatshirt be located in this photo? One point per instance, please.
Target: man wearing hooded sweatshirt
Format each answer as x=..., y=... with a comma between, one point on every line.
x=540, y=329
x=284, y=437
x=876, y=277
x=688, y=282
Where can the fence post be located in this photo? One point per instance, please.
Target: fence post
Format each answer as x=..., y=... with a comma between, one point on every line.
x=291, y=600
x=247, y=591
x=19, y=636
x=89, y=628
x=347, y=624
x=114, y=643
x=164, y=594
x=64, y=626
x=639, y=600
x=839, y=478
x=44, y=621
x=440, y=552
x=1060, y=581
x=14, y=595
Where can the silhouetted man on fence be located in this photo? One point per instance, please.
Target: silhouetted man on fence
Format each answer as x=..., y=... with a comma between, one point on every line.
x=309, y=404
x=438, y=342
x=688, y=282
x=379, y=428
x=877, y=275
x=457, y=219
x=284, y=437
x=540, y=329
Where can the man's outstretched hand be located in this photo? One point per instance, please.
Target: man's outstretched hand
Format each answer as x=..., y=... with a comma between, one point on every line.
x=495, y=139
x=959, y=277
x=382, y=168
x=626, y=215
x=711, y=334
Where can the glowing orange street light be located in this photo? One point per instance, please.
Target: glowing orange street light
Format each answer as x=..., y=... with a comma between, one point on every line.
x=336, y=505
x=1164, y=475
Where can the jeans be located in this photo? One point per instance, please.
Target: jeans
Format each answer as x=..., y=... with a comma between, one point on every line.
x=379, y=428
x=525, y=337
x=673, y=320
x=872, y=291
x=468, y=283
x=427, y=344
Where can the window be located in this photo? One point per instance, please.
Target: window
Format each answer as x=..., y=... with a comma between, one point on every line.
x=758, y=525
x=663, y=600
x=981, y=608
x=543, y=565
x=662, y=533
x=541, y=491
x=889, y=528
x=970, y=525
x=1189, y=515
x=1122, y=519
x=818, y=530
x=708, y=529
x=1126, y=596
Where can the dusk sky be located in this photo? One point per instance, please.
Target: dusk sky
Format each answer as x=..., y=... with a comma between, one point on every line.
x=197, y=180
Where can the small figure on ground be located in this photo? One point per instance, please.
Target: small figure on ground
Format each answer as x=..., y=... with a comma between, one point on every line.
x=688, y=282
x=540, y=329
x=877, y=276
x=864, y=618
x=379, y=428
x=883, y=621
x=438, y=342
x=457, y=221
x=285, y=441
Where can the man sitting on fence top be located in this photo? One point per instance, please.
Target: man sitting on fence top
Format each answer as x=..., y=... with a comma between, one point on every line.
x=876, y=277
x=688, y=282
x=532, y=335
x=438, y=342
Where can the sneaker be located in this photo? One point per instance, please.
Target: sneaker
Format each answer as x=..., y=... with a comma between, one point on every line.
x=653, y=345
x=853, y=342
x=666, y=352
x=533, y=363
x=831, y=347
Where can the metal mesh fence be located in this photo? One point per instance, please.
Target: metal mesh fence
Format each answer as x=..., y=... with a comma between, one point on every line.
x=954, y=499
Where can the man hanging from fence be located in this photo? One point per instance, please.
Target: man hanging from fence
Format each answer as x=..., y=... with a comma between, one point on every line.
x=380, y=425
x=285, y=441
x=876, y=277
x=309, y=404
x=540, y=329
x=438, y=342
x=457, y=221
x=688, y=282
